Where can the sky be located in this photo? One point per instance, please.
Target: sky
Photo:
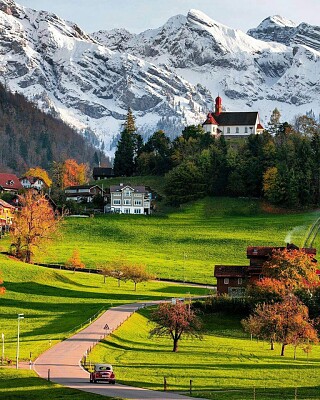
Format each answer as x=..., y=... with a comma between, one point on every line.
x=139, y=15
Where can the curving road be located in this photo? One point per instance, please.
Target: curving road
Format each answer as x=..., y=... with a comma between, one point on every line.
x=63, y=360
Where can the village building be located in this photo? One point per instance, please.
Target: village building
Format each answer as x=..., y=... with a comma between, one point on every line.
x=233, y=279
x=102, y=173
x=9, y=183
x=6, y=216
x=232, y=124
x=127, y=199
x=83, y=193
x=31, y=182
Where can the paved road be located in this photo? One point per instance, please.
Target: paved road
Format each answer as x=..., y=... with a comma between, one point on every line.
x=63, y=360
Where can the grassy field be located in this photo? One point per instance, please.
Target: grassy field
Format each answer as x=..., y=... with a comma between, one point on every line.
x=226, y=364
x=54, y=302
x=25, y=385
x=182, y=244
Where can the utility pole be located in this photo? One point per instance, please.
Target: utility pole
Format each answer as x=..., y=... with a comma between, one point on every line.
x=20, y=316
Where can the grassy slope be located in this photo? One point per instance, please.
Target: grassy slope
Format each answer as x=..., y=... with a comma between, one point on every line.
x=184, y=244
x=54, y=302
x=224, y=360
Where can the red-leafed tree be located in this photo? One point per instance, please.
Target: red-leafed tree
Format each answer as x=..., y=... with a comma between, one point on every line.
x=286, y=322
x=174, y=320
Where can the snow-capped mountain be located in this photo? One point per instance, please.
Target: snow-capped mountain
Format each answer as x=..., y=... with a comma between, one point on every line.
x=281, y=30
x=68, y=73
x=246, y=71
x=168, y=76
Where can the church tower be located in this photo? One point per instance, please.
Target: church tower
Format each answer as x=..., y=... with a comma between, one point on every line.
x=218, y=106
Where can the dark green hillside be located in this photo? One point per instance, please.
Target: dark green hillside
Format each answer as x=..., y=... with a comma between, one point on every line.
x=30, y=138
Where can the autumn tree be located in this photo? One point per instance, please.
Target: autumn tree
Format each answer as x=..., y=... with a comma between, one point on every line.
x=74, y=173
x=38, y=172
x=34, y=224
x=286, y=322
x=137, y=274
x=2, y=288
x=292, y=268
x=74, y=262
x=174, y=320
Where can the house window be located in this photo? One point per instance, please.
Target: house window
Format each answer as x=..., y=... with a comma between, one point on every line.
x=239, y=281
x=126, y=210
x=246, y=129
x=237, y=129
x=137, y=211
x=226, y=281
x=137, y=202
x=116, y=202
x=228, y=130
x=127, y=202
x=127, y=193
x=260, y=277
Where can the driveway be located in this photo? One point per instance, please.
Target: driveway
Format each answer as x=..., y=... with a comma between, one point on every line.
x=63, y=360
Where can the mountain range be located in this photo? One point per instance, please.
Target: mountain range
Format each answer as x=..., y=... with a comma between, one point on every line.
x=169, y=76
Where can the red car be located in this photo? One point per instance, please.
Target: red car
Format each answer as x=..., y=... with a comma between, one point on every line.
x=103, y=373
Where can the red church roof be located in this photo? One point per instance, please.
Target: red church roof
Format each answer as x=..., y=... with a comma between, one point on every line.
x=210, y=120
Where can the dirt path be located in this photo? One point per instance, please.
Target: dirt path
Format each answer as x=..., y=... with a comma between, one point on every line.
x=63, y=360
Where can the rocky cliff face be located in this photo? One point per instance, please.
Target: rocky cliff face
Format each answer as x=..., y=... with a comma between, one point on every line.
x=168, y=76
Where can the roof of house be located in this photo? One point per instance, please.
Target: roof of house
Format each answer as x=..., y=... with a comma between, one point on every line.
x=236, y=118
x=228, y=271
x=264, y=251
x=102, y=171
x=31, y=179
x=210, y=120
x=5, y=204
x=6, y=179
x=82, y=187
x=119, y=188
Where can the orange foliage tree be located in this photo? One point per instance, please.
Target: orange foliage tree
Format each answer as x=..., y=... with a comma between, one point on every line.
x=286, y=322
x=74, y=261
x=74, y=173
x=38, y=172
x=34, y=224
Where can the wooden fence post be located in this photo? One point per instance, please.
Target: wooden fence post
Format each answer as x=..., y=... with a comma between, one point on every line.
x=49, y=375
x=190, y=386
x=164, y=383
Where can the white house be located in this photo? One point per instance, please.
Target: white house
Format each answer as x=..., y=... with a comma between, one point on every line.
x=29, y=182
x=232, y=124
x=126, y=199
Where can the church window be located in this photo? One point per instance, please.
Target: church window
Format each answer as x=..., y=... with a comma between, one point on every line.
x=237, y=129
x=228, y=130
x=246, y=129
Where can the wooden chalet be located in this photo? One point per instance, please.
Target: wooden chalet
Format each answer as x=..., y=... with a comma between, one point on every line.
x=9, y=183
x=102, y=173
x=233, y=279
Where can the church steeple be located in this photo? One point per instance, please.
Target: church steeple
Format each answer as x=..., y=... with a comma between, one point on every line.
x=218, y=106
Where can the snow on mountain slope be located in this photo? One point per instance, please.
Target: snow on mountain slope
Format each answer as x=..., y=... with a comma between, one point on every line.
x=278, y=29
x=68, y=73
x=246, y=71
x=168, y=76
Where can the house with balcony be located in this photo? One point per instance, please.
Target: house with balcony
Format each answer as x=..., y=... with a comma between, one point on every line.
x=6, y=216
x=127, y=199
x=83, y=193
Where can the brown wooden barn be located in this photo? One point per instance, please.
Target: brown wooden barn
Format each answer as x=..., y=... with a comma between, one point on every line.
x=233, y=279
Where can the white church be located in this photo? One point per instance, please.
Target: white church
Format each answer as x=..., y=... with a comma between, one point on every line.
x=232, y=124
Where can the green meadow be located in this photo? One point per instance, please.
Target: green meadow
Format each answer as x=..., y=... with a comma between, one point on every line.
x=56, y=302
x=226, y=364
x=182, y=244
